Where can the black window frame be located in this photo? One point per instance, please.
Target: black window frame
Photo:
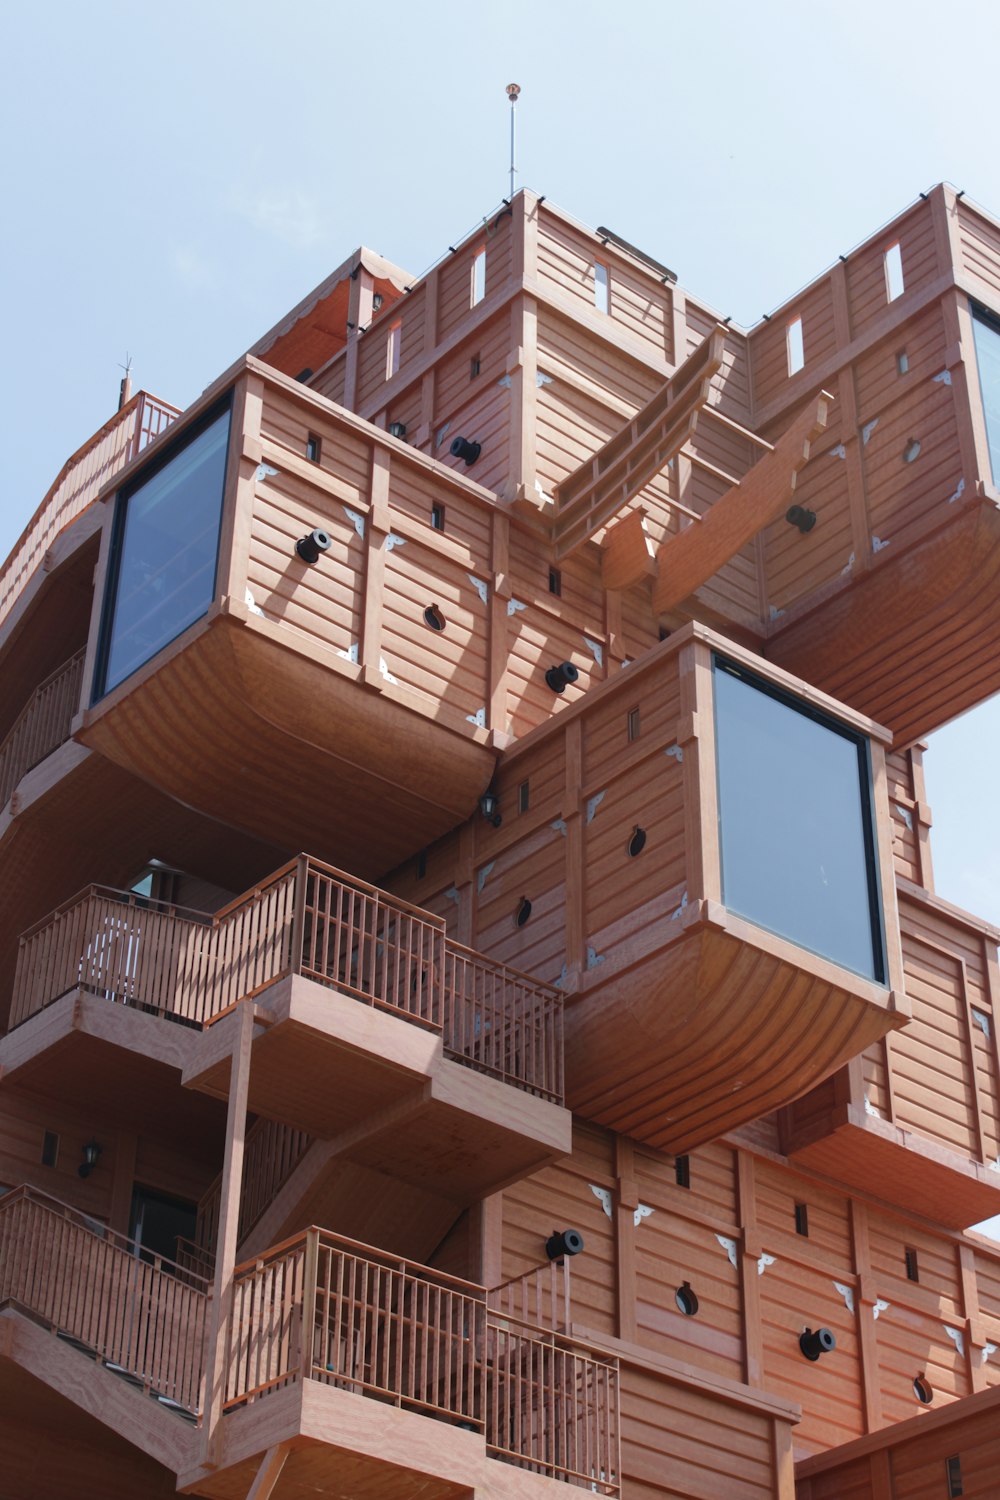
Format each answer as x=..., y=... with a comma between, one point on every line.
x=866, y=786
x=148, y=471
x=991, y=320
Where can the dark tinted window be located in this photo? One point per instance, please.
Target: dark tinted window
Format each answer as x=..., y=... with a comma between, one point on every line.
x=795, y=823
x=166, y=546
x=987, y=332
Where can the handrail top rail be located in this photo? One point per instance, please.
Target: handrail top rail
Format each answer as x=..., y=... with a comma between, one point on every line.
x=26, y=1192
x=503, y=1322
x=107, y=427
x=549, y=990
x=387, y=898
x=364, y=1252
x=124, y=898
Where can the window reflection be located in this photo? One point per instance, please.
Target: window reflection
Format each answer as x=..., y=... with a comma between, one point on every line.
x=795, y=823
x=165, y=551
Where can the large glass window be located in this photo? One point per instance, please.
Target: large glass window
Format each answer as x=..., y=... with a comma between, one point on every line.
x=796, y=827
x=987, y=333
x=164, y=552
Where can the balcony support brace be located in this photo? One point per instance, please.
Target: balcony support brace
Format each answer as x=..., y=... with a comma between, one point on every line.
x=228, y=1234
x=269, y=1472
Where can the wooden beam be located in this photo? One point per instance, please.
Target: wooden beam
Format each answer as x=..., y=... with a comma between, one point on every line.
x=627, y=552
x=692, y=557
x=269, y=1472
x=228, y=1236
x=604, y=484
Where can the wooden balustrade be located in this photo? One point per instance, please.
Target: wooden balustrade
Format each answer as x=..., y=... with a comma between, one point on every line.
x=326, y=1308
x=273, y=1150
x=142, y=1315
x=42, y=725
x=309, y=919
x=77, y=484
x=503, y=1022
x=540, y=1297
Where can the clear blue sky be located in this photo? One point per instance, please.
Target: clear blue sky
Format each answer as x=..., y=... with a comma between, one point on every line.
x=175, y=178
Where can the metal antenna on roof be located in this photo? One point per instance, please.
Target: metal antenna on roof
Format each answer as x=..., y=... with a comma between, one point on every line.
x=125, y=389
x=513, y=89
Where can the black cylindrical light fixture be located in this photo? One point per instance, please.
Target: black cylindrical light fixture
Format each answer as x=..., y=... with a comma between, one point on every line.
x=462, y=448
x=557, y=677
x=562, y=1242
x=309, y=547
x=813, y=1343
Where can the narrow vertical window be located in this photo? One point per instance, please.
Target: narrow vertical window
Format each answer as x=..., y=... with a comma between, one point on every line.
x=602, y=299
x=953, y=1469
x=802, y=1219
x=682, y=1171
x=794, y=346
x=893, y=272
x=475, y=365
x=555, y=582
x=437, y=517
x=392, y=350
x=313, y=448
x=479, y=276
x=523, y=795
x=912, y=1268
x=50, y=1149
x=633, y=724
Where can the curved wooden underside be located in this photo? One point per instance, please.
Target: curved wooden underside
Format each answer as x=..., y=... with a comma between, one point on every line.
x=917, y=641
x=712, y=1032
x=78, y=819
x=280, y=746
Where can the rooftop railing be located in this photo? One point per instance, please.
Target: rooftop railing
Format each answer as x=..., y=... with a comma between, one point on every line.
x=42, y=725
x=323, y=1308
x=142, y=1316
x=78, y=483
x=309, y=919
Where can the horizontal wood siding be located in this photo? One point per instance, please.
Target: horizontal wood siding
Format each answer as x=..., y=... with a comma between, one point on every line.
x=866, y=281
x=796, y=563
x=795, y=1295
x=769, y=350
x=561, y=1196
x=902, y=808
x=447, y=665
x=534, y=869
x=979, y=239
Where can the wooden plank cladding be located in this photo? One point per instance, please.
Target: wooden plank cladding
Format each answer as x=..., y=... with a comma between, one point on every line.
x=683, y=1018
x=920, y=1113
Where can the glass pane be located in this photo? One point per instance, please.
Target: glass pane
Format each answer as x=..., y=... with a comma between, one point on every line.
x=168, y=551
x=988, y=359
x=793, y=809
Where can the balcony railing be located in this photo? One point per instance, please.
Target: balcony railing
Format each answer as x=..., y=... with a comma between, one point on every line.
x=78, y=483
x=324, y=1308
x=42, y=725
x=143, y=1317
x=273, y=1151
x=307, y=919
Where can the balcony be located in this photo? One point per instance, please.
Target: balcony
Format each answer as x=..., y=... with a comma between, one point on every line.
x=322, y=1321
x=143, y=1318
x=919, y=1111
x=42, y=726
x=225, y=656
x=706, y=856
x=404, y=1053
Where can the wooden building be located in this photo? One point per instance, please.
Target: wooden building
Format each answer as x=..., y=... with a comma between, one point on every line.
x=461, y=794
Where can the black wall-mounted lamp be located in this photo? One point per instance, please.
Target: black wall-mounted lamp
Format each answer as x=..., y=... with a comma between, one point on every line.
x=797, y=515
x=489, y=806
x=562, y=1242
x=557, y=677
x=376, y=302
x=305, y=374
x=814, y=1343
x=91, y=1152
x=309, y=547
x=462, y=448
x=397, y=430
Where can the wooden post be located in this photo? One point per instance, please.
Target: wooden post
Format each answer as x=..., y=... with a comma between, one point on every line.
x=228, y=1233
x=864, y=1314
x=237, y=501
x=753, y=1347
x=626, y=1203
x=269, y=1472
x=376, y=532
x=359, y=315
